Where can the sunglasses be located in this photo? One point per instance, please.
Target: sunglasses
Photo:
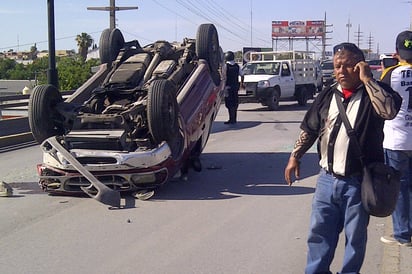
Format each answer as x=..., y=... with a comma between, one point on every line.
x=349, y=47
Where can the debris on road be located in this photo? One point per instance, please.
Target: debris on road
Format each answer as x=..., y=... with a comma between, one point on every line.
x=5, y=190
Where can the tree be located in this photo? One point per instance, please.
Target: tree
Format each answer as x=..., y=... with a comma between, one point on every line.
x=73, y=73
x=19, y=72
x=33, y=52
x=84, y=41
x=6, y=65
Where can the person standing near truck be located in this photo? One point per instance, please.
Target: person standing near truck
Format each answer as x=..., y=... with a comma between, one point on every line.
x=233, y=72
x=398, y=140
x=336, y=204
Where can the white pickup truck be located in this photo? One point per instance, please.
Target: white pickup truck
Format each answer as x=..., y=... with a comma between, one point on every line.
x=280, y=75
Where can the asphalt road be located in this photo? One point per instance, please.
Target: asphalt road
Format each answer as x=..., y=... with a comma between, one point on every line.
x=236, y=216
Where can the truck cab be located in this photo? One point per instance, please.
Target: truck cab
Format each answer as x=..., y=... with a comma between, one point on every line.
x=276, y=76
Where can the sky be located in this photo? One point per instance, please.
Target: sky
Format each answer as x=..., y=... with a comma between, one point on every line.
x=240, y=23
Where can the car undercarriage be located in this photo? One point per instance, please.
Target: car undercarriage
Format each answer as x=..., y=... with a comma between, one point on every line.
x=134, y=125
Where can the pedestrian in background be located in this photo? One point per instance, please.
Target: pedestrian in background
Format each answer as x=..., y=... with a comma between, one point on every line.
x=233, y=73
x=336, y=204
x=398, y=140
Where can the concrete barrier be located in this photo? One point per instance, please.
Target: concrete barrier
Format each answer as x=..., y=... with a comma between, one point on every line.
x=16, y=139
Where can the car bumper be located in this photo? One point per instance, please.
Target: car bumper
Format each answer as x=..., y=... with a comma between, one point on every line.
x=121, y=171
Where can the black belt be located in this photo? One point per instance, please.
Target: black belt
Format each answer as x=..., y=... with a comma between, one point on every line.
x=338, y=176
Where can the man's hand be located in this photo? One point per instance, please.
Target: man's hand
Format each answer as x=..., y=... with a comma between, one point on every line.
x=365, y=74
x=292, y=166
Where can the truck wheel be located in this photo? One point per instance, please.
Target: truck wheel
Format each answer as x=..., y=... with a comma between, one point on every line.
x=273, y=101
x=110, y=44
x=207, y=47
x=162, y=111
x=44, y=120
x=303, y=96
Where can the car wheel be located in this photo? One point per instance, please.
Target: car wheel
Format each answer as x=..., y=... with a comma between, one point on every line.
x=110, y=43
x=273, y=101
x=162, y=111
x=303, y=96
x=44, y=119
x=207, y=47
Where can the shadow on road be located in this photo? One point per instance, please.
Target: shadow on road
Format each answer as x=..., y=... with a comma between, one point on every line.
x=230, y=175
x=282, y=107
x=220, y=126
x=224, y=176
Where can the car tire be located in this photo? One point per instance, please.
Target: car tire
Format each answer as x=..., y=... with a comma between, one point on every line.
x=44, y=120
x=162, y=111
x=110, y=43
x=273, y=101
x=207, y=48
x=303, y=96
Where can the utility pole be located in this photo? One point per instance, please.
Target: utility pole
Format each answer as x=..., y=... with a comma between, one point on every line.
x=370, y=43
x=251, y=21
x=358, y=36
x=112, y=10
x=52, y=78
x=348, y=25
x=324, y=38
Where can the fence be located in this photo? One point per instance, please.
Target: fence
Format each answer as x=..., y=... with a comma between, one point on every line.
x=14, y=123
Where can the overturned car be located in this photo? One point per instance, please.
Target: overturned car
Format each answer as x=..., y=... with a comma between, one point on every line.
x=142, y=118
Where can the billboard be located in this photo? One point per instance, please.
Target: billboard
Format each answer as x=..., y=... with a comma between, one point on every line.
x=298, y=28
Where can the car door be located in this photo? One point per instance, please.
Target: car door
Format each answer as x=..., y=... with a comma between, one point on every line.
x=287, y=81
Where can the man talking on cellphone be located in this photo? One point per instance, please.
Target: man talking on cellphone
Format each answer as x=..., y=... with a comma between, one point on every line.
x=336, y=204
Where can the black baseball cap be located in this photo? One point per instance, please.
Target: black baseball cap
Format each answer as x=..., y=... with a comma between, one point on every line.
x=349, y=47
x=404, y=45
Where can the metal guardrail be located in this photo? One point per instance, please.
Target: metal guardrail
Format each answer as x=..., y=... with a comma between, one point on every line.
x=16, y=130
x=14, y=126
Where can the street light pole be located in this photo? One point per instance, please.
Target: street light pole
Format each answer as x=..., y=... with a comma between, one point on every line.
x=112, y=11
x=52, y=71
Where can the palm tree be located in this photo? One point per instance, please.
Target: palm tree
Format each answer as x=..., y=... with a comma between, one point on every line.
x=84, y=41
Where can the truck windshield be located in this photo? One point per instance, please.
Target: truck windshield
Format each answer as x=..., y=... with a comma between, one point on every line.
x=327, y=65
x=271, y=68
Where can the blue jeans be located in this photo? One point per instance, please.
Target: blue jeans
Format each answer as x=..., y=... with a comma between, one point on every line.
x=336, y=206
x=402, y=216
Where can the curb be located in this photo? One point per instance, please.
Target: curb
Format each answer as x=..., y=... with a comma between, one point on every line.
x=15, y=139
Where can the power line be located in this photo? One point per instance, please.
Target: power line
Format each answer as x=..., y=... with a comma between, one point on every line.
x=44, y=41
x=203, y=11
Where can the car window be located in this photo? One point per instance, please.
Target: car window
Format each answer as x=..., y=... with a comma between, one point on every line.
x=285, y=69
x=261, y=68
x=374, y=62
x=275, y=68
x=327, y=65
x=248, y=68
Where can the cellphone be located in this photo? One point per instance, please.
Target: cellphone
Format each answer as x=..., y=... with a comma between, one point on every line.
x=389, y=62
